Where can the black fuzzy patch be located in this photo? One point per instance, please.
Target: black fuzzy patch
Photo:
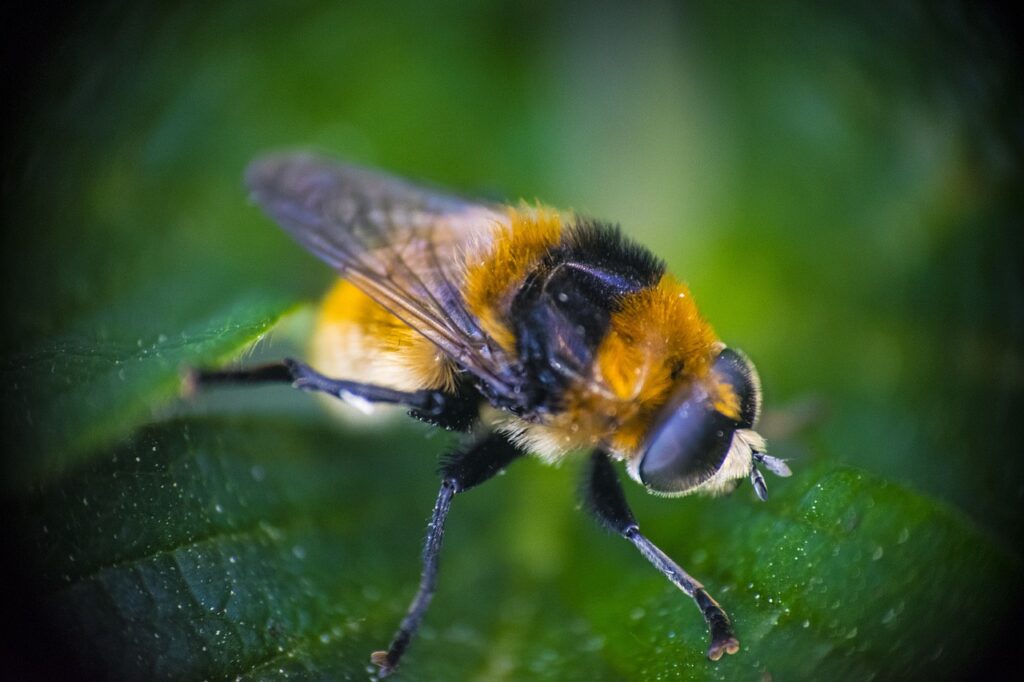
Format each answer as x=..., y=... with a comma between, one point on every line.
x=562, y=312
x=603, y=247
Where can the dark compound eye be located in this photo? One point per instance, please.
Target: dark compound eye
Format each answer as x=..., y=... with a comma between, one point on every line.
x=691, y=440
x=736, y=369
x=687, y=448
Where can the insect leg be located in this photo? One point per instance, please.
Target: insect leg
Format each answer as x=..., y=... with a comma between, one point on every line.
x=604, y=497
x=460, y=471
x=300, y=375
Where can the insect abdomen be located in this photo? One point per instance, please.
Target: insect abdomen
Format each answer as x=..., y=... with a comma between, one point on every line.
x=355, y=338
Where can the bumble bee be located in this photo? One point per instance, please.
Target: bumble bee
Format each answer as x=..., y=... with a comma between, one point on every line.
x=534, y=330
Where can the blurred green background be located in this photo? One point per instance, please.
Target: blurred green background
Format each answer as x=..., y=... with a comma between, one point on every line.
x=840, y=186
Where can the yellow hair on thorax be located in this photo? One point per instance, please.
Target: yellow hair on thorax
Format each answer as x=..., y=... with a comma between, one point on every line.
x=492, y=282
x=656, y=343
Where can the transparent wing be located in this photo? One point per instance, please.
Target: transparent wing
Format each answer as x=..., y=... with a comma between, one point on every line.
x=402, y=244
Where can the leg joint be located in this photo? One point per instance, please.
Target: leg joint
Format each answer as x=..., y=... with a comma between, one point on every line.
x=484, y=459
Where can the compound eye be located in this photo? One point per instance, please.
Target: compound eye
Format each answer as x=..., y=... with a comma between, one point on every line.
x=735, y=369
x=691, y=440
x=686, y=448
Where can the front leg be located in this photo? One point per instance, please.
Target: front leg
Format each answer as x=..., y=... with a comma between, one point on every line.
x=460, y=471
x=605, y=499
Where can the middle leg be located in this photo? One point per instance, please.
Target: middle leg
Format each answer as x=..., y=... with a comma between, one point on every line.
x=461, y=471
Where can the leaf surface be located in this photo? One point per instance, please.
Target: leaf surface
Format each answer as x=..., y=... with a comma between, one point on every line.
x=222, y=547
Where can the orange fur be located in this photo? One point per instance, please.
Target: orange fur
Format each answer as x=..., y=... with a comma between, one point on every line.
x=725, y=400
x=657, y=343
x=492, y=282
x=655, y=336
x=355, y=338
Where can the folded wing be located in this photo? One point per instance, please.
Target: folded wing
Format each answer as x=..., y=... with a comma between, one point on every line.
x=402, y=244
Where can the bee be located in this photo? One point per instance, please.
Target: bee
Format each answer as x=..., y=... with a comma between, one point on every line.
x=532, y=330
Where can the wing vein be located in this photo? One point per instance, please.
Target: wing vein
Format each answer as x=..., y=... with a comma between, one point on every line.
x=395, y=241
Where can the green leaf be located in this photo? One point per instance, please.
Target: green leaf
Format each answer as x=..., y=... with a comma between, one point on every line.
x=225, y=547
x=841, y=575
x=69, y=395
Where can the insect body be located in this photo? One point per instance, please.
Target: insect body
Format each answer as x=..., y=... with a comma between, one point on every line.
x=537, y=331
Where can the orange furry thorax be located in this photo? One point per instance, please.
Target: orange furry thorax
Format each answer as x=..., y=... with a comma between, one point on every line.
x=656, y=343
